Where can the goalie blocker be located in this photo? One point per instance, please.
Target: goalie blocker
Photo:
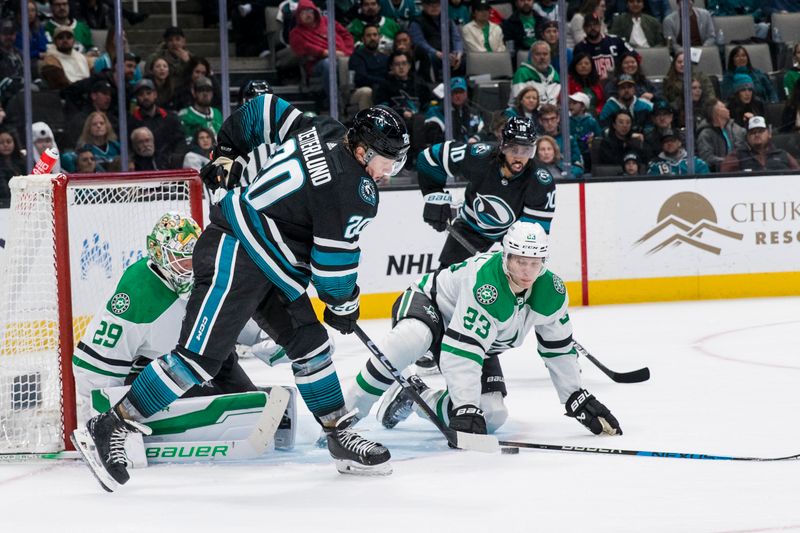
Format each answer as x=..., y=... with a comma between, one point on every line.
x=211, y=428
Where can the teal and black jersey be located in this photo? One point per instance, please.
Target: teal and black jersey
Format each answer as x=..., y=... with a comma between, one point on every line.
x=491, y=202
x=300, y=217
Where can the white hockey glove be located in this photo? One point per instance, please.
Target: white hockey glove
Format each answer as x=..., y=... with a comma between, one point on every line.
x=437, y=211
x=584, y=407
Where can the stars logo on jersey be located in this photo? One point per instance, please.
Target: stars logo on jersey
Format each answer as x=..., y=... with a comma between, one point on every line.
x=558, y=285
x=431, y=312
x=480, y=149
x=543, y=176
x=120, y=303
x=367, y=191
x=486, y=294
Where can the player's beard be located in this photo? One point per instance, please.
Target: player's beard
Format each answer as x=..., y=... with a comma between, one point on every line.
x=514, y=169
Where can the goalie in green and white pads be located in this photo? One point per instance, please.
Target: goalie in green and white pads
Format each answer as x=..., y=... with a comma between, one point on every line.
x=467, y=315
x=141, y=322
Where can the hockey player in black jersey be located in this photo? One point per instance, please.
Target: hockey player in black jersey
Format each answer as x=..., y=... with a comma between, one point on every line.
x=297, y=223
x=503, y=186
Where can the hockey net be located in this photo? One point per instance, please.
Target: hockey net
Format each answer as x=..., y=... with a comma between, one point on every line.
x=68, y=240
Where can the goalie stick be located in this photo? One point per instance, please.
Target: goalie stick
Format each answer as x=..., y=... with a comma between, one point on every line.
x=634, y=376
x=643, y=453
x=457, y=439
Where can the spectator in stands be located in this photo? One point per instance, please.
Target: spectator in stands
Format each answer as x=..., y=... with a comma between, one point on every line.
x=467, y=122
x=662, y=119
x=197, y=67
x=538, y=73
x=426, y=32
x=583, y=78
x=790, y=116
x=11, y=63
x=421, y=63
x=200, y=150
x=728, y=8
x=637, y=27
x=718, y=136
x=632, y=165
x=548, y=32
x=61, y=17
x=481, y=35
x=744, y=104
x=520, y=27
x=100, y=137
x=739, y=63
x=526, y=104
x=369, y=65
x=144, y=150
x=164, y=125
x=630, y=64
x=758, y=153
x=370, y=13
x=672, y=87
x=108, y=59
x=606, y=50
x=550, y=120
x=164, y=81
x=702, y=31
x=96, y=13
x=673, y=159
x=575, y=33
x=792, y=74
x=63, y=65
x=401, y=90
x=308, y=39
x=619, y=139
x=200, y=114
x=639, y=108
x=546, y=9
x=401, y=11
x=38, y=37
x=548, y=158
x=494, y=133
x=43, y=138
x=12, y=163
x=173, y=49
x=659, y=9
x=583, y=126
x=458, y=12
x=85, y=161
x=700, y=107
x=249, y=26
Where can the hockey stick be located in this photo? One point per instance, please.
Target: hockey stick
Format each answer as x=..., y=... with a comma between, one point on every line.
x=21, y=458
x=457, y=439
x=634, y=376
x=642, y=453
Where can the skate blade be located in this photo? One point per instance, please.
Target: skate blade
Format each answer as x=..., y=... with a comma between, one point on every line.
x=83, y=443
x=357, y=469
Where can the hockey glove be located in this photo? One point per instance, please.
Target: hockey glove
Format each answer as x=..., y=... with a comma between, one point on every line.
x=437, y=210
x=343, y=317
x=222, y=172
x=468, y=419
x=584, y=407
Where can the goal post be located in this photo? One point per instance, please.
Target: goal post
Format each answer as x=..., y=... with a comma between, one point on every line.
x=68, y=240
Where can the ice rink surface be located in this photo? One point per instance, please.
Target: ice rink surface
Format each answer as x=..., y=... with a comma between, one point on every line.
x=724, y=381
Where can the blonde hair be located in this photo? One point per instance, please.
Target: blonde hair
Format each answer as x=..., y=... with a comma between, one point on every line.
x=86, y=133
x=553, y=143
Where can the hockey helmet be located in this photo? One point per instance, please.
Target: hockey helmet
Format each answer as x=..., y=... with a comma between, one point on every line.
x=383, y=132
x=519, y=138
x=252, y=89
x=525, y=239
x=170, y=246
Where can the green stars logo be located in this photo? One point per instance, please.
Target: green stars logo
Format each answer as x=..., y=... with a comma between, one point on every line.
x=120, y=303
x=558, y=285
x=486, y=294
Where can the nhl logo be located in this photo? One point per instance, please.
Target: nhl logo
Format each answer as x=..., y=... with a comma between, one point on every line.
x=558, y=285
x=120, y=303
x=486, y=294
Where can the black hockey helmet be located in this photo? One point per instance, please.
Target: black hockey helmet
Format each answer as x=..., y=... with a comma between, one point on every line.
x=519, y=131
x=252, y=89
x=383, y=132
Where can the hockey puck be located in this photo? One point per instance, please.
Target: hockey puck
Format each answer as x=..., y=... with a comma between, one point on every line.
x=509, y=450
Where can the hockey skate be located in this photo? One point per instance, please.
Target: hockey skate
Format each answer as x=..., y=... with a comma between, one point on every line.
x=353, y=454
x=397, y=404
x=101, y=443
x=426, y=365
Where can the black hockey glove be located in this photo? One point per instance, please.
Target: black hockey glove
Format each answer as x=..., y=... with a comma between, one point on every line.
x=468, y=419
x=222, y=173
x=437, y=211
x=343, y=317
x=584, y=407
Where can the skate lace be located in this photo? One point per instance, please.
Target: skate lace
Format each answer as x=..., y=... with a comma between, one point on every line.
x=116, y=449
x=356, y=443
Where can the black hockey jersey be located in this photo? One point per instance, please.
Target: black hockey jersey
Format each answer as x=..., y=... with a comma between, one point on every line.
x=605, y=54
x=491, y=202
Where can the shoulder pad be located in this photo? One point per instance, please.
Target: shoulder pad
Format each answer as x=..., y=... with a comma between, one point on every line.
x=549, y=294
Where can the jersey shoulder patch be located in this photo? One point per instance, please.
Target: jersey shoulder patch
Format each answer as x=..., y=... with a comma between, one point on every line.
x=491, y=288
x=368, y=191
x=548, y=295
x=543, y=176
x=480, y=150
x=141, y=296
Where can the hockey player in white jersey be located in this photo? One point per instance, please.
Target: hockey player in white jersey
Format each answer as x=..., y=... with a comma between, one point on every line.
x=468, y=312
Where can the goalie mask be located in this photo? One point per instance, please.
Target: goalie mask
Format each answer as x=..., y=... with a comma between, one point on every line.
x=170, y=246
x=524, y=240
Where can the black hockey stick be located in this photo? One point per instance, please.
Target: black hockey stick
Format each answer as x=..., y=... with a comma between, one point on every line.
x=642, y=453
x=458, y=439
x=635, y=376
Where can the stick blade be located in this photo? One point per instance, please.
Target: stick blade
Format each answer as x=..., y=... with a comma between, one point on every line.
x=635, y=376
x=476, y=443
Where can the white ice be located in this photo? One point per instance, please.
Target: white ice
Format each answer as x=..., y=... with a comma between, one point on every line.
x=724, y=381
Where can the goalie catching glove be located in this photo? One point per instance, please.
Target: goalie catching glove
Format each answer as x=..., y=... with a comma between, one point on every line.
x=222, y=172
x=342, y=317
x=437, y=211
x=584, y=407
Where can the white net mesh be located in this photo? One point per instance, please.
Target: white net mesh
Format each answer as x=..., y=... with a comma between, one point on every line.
x=108, y=224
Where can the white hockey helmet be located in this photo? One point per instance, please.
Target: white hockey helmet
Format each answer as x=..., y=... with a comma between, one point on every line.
x=169, y=246
x=526, y=239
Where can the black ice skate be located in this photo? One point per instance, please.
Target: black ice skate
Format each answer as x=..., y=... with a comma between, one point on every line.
x=353, y=454
x=102, y=445
x=397, y=404
x=426, y=365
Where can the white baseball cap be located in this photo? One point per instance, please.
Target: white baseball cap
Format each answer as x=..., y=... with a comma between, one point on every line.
x=755, y=123
x=582, y=98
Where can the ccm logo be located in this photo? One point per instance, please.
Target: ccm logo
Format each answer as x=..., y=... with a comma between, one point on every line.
x=201, y=329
